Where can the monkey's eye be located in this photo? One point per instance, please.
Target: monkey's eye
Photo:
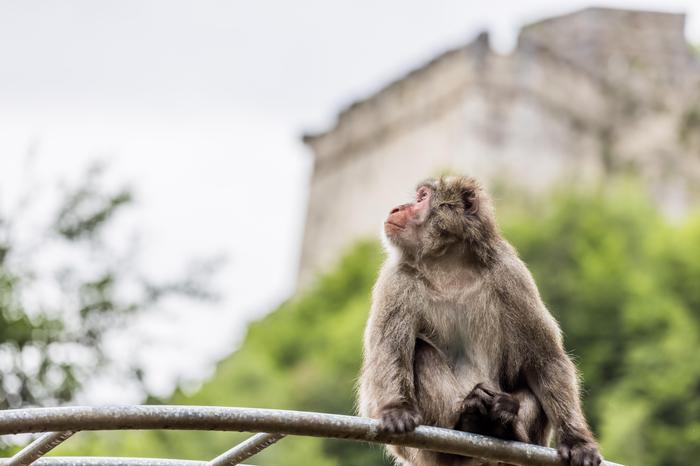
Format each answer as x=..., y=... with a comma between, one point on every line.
x=421, y=195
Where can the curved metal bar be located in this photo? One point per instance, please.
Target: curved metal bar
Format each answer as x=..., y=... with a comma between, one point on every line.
x=38, y=448
x=110, y=461
x=245, y=449
x=272, y=421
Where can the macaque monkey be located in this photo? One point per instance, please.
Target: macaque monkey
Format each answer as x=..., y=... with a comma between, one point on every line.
x=458, y=336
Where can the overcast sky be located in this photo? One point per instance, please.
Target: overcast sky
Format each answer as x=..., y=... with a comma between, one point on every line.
x=200, y=106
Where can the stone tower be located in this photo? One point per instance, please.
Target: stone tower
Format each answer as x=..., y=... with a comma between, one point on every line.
x=582, y=95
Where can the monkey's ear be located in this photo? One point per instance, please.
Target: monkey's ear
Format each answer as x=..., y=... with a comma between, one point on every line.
x=471, y=203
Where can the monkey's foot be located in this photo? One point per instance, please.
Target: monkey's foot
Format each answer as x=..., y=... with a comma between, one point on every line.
x=399, y=419
x=505, y=422
x=504, y=409
x=580, y=454
x=474, y=411
x=478, y=402
x=489, y=412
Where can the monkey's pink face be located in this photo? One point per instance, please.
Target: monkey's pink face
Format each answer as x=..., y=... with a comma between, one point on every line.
x=404, y=221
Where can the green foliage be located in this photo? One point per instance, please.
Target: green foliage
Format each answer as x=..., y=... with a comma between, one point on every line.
x=87, y=208
x=63, y=287
x=621, y=279
x=689, y=126
x=622, y=282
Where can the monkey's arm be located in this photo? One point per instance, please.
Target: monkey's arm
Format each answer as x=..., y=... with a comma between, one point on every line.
x=387, y=389
x=554, y=380
x=549, y=371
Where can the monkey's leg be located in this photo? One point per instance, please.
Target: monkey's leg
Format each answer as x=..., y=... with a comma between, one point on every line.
x=437, y=389
x=439, y=396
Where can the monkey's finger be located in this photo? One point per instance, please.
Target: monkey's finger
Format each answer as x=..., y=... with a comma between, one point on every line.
x=399, y=424
x=411, y=421
x=417, y=419
x=565, y=453
x=488, y=391
x=487, y=397
x=385, y=424
x=388, y=424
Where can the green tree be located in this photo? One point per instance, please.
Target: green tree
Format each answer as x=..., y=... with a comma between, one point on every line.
x=62, y=287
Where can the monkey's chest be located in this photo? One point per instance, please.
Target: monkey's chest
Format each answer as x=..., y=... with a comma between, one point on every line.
x=466, y=338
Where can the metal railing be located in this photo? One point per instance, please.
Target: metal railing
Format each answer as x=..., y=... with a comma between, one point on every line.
x=58, y=424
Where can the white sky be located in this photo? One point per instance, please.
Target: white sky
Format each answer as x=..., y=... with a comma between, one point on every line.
x=200, y=106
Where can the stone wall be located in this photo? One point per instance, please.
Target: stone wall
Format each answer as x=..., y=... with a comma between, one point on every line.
x=618, y=44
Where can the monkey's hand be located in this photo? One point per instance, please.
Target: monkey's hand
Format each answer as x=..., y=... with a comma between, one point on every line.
x=579, y=452
x=398, y=419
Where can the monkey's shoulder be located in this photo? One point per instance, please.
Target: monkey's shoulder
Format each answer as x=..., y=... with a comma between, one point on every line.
x=522, y=310
x=394, y=279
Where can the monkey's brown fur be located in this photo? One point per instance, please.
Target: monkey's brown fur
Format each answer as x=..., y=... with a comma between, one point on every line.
x=458, y=336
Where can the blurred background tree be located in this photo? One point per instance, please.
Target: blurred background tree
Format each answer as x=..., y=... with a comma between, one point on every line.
x=621, y=279
x=63, y=286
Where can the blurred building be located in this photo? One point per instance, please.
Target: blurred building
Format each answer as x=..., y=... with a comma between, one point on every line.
x=583, y=95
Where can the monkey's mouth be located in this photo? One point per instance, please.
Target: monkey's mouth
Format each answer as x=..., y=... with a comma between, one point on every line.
x=394, y=225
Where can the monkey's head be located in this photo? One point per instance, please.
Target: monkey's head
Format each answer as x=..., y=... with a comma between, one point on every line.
x=451, y=213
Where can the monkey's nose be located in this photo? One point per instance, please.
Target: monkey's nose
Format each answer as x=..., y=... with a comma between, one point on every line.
x=398, y=209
